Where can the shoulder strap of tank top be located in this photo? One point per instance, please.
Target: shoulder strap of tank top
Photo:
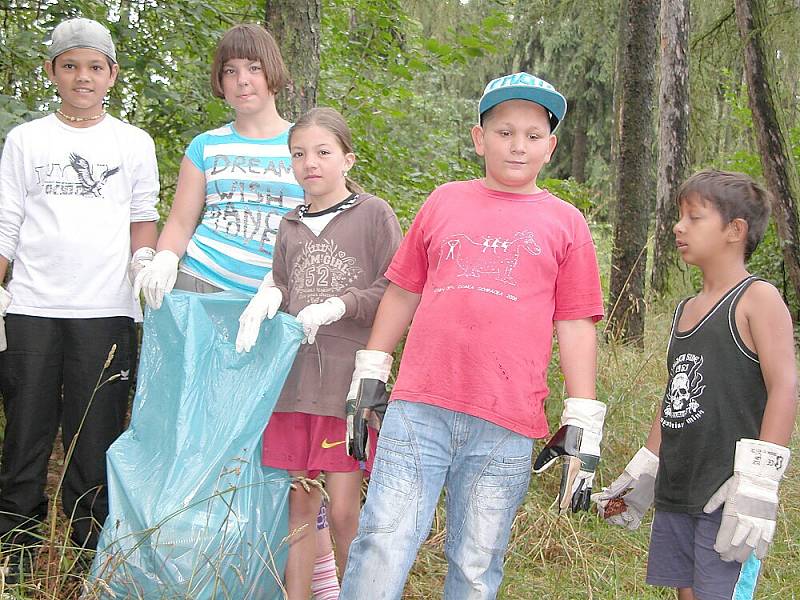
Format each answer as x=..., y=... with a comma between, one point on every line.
x=737, y=294
x=675, y=318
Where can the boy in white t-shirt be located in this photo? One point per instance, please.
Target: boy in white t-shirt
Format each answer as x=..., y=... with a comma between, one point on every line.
x=77, y=196
x=488, y=270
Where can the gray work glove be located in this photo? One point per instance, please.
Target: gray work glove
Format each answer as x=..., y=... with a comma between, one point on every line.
x=751, y=500
x=635, y=488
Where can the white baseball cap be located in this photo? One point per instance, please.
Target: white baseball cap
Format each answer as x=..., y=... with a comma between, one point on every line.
x=81, y=33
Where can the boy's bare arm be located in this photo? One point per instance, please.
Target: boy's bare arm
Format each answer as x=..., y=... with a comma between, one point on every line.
x=3, y=268
x=394, y=315
x=577, y=344
x=653, y=442
x=144, y=234
x=186, y=208
x=771, y=330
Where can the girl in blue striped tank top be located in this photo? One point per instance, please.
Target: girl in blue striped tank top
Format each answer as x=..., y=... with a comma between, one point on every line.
x=235, y=185
x=235, y=182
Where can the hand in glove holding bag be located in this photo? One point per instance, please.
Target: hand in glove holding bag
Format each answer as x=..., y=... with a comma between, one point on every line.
x=750, y=499
x=635, y=487
x=5, y=302
x=264, y=305
x=157, y=278
x=367, y=395
x=314, y=316
x=140, y=259
x=578, y=442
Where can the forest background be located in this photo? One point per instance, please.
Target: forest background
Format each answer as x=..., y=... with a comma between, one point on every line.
x=407, y=75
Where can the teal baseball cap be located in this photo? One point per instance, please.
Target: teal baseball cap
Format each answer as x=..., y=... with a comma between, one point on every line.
x=523, y=86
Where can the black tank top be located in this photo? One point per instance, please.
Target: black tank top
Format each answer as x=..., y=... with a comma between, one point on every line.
x=715, y=396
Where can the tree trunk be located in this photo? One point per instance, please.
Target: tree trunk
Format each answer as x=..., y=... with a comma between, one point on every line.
x=579, y=139
x=634, y=173
x=296, y=27
x=619, y=57
x=673, y=135
x=777, y=161
x=579, y=152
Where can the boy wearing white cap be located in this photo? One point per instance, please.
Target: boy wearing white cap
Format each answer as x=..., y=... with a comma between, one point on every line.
x=77, y=197
x=488, y=269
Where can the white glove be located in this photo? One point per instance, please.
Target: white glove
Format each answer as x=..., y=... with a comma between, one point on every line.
x=578, y=440
x=636, y=487
x=140, y=259
x=751, y=500
x=313, y=316
x=264, y=305
x=367, y=394
x=157, y=278
x=5, y=302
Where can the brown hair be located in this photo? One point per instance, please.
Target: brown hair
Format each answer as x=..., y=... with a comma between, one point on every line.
x=252, y=42
x=333, y=121
x=734, y=196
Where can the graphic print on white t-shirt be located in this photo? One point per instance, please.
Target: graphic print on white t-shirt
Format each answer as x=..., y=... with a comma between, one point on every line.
x=74, y=177
x=487, y=258
x=681, y=406
x=323, y=269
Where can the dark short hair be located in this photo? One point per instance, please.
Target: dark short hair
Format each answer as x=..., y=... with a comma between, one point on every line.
x=255, y=43
x=735, y=196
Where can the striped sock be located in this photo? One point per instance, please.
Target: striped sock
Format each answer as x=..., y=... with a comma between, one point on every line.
x=324, y=584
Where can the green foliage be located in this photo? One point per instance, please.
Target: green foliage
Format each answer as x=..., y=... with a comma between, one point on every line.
x=578, y=194
x=410, y=127
x=568, y=43
x=767, y=260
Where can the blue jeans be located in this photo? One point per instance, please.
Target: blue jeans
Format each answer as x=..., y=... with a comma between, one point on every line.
x=485, y=470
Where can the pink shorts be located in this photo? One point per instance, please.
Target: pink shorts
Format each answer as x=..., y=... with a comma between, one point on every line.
x=298, y=441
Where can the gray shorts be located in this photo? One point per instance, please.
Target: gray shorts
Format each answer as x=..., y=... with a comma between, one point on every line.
x=682, y=555
x=190, y=283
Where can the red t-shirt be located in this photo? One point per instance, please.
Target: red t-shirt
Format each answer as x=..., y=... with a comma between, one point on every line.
x=495, y=270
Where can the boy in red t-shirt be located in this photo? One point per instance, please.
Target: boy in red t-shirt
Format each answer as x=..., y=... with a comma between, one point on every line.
x=487, y=270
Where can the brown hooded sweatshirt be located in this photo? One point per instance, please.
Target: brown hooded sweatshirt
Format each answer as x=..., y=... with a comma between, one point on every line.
x=347, y=259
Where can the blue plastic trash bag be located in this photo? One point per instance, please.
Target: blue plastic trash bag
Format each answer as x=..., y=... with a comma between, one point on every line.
x=193, y=514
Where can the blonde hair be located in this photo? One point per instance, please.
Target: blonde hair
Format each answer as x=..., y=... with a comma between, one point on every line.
x=255, y=43
x=333, y=121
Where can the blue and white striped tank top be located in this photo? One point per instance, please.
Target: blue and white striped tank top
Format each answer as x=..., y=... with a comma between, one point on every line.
x=249, y=187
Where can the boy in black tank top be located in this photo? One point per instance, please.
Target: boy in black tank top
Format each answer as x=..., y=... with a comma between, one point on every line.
x=717, y=448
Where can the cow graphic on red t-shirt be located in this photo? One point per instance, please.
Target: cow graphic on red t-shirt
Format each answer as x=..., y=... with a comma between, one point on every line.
x=493, y=256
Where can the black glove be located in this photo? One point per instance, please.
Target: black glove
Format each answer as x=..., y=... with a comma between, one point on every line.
x=578, y=442
x=367, y=395
x=372, y=399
